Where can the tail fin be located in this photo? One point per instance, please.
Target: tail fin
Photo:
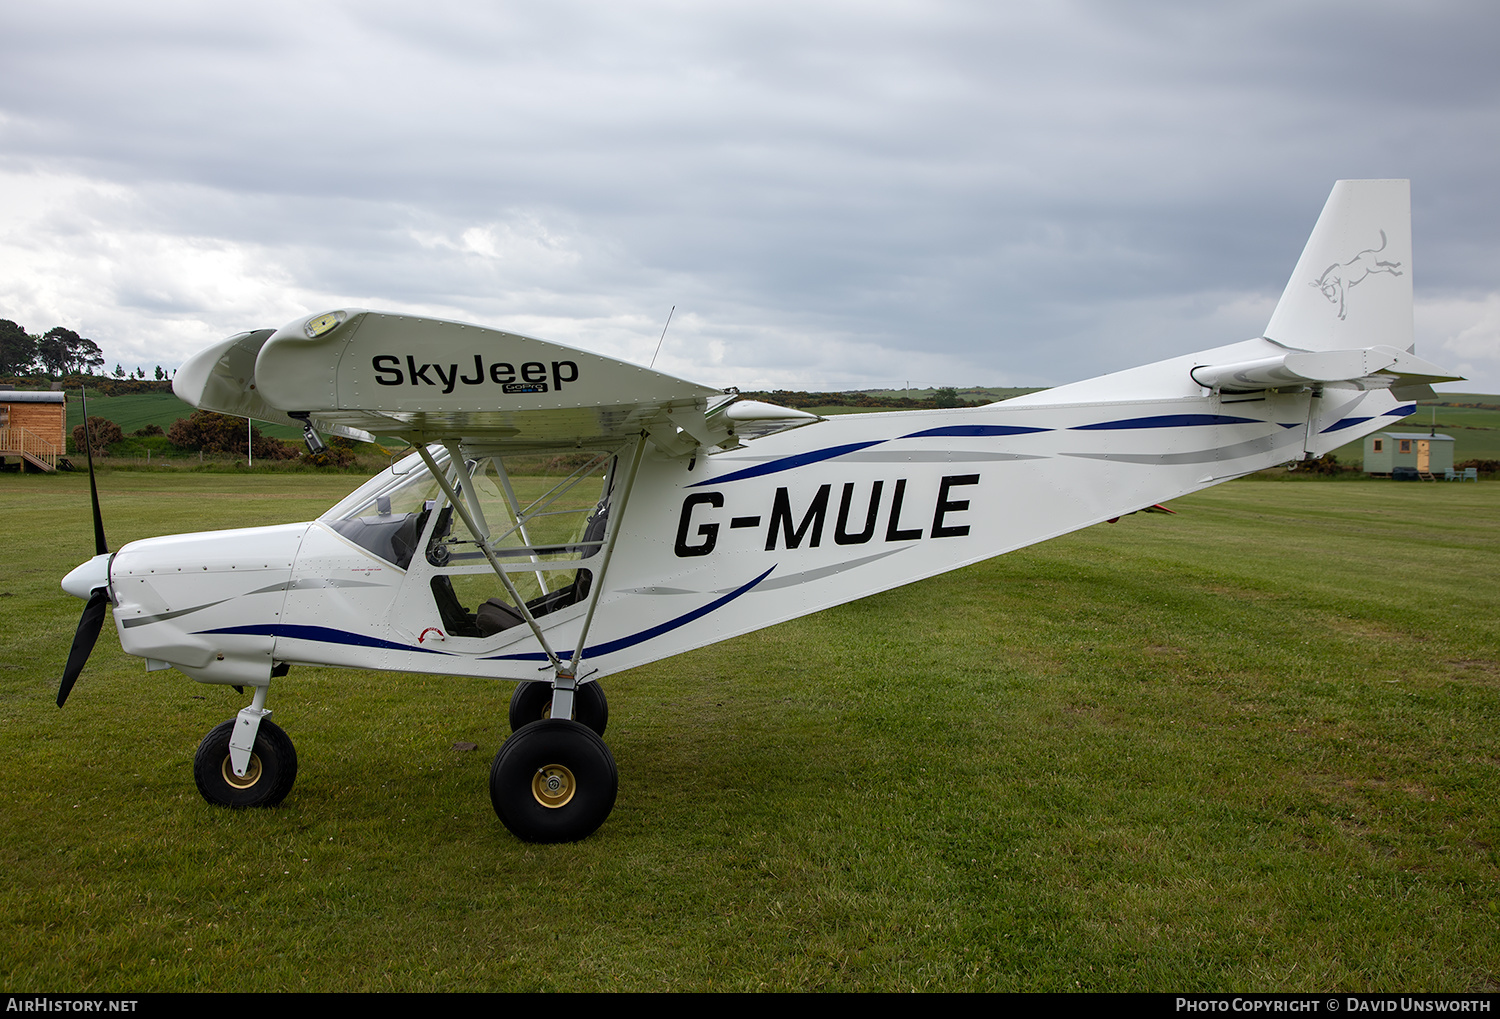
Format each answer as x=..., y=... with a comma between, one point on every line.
x=1352, y=285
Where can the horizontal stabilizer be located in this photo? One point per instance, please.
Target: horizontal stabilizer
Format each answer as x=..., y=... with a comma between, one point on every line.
x=1367, y=368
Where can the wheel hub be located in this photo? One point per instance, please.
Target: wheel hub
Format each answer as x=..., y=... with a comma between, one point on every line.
x=251, y=776
x=553, y=785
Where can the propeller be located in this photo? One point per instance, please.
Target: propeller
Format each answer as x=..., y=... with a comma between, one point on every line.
x=96, y=569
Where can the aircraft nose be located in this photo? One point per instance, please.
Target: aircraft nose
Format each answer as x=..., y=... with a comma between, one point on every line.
x=88, y=577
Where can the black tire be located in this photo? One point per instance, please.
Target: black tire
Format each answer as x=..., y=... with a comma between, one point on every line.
x=532, y=702
x=553, y=781
x=273, y=768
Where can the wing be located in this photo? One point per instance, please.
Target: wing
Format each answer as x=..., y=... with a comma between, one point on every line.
x=364, y=373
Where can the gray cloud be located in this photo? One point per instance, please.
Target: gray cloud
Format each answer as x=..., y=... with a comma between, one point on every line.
x=832, y=194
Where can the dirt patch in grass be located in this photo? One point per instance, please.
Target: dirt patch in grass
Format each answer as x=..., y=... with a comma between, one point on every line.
x=1476, y=664
x=1480, y=671
x=1242, y=593
x=1383, y=785
x=1369, y=630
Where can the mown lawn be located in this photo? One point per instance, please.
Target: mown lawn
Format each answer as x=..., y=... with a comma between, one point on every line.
x=1250, y=746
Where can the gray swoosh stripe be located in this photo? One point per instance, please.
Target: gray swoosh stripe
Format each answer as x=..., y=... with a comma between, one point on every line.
x=158, y=617
x=308, y=583
x=1250, y=447
x=806, y=576
x=788, y=581
x=316, y=583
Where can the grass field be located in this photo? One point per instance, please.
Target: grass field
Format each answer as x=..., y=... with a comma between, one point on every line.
x=1250, y=746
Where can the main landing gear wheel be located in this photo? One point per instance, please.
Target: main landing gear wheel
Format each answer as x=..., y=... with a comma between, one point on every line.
x=553, y=781
x=273, y=768
x=533, y=701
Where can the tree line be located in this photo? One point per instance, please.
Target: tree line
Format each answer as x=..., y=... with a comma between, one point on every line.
x=57, y=352
x=61, y=353
x=943, y=398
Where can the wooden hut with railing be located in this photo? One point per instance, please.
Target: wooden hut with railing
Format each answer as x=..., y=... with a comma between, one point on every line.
x=33, y=428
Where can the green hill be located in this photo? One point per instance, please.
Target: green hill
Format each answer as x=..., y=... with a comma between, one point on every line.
x=134, y=411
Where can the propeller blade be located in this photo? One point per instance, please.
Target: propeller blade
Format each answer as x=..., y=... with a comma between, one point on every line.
x=89, y=625
x=100, y=547
x=92, y=620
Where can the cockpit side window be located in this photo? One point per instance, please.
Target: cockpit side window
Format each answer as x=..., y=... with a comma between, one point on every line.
x=547, y=516
x=537, y=509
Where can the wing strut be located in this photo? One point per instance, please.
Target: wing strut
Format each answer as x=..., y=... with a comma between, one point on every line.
x=473, y=521
x=618, y=513
x=519, y=514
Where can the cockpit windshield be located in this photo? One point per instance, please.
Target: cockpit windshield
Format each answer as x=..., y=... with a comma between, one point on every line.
x=386, y=515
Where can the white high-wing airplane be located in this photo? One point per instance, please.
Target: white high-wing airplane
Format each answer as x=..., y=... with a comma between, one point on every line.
x=566, y=516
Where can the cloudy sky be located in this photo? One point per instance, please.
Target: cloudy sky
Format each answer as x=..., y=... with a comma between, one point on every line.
x=832, y=194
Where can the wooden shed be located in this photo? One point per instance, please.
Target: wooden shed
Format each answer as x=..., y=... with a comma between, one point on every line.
x=1391, y=453
x=32, y=428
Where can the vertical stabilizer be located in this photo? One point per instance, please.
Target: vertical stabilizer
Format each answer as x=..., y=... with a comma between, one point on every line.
x=1352, y=285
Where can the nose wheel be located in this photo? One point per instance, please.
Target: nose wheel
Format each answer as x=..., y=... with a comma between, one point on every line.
x=554, y=780
x=265, y=783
